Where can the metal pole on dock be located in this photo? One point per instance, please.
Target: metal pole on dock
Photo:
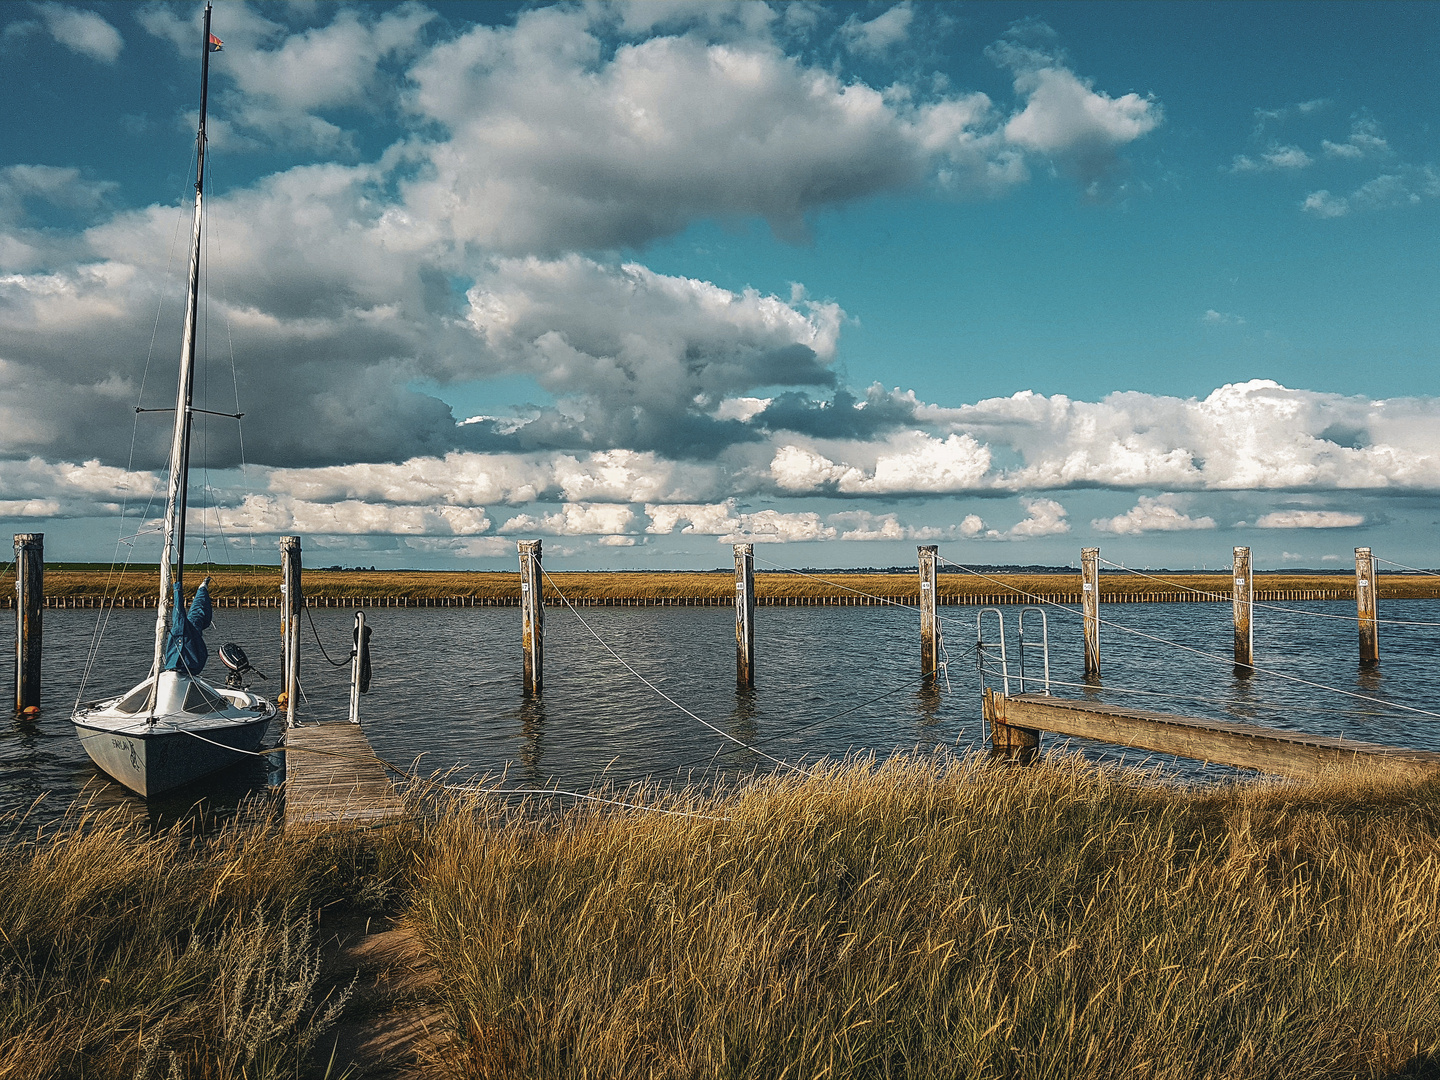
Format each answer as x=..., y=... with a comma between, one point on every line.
x=1365, y=589
x=29, y=618
x=532, y=617
x=1243, y=598
x=359, y=666
x=744, y=616
x=1090, y=606
x=291, y=600
x=929, y=628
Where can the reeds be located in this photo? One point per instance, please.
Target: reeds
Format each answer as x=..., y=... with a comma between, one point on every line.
x=944, y=919
x=131, y=953
x=924, y=917
x=264, y=582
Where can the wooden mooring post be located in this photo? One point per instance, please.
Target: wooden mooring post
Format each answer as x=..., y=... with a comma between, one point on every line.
x=744, y=616
x=929, y=628
x=29, y=618
x=1243, y=600
x=532, y=617
x=1365, y=589
x=1090, y=607
x=292, y=599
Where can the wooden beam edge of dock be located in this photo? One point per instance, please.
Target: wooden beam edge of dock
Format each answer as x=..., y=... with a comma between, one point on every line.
x=1016, y=721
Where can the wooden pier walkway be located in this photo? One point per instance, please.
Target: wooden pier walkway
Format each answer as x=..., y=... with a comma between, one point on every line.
x=332, y=777
x=1017, y=720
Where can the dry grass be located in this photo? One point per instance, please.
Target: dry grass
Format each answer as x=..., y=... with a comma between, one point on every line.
x=126, y=953
x=927, y=919
x=354, y=584
x=923, y=918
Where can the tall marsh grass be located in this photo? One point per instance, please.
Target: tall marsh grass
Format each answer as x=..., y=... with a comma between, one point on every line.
x=922, y=918
x=945, y=919
x=131, y=953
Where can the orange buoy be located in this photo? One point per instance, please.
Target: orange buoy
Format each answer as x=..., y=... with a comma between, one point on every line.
x=30, y=710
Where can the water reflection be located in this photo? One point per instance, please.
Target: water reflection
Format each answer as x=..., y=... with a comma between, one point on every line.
x=532, y=738
x=830, y=681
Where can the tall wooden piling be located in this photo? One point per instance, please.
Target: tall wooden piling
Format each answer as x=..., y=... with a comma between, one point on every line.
x=1365, y=589
x=744, y=616
x=1243, y=599
x=29, y=617
x=532, y=617
x=929, y=628
x=1090, y=607
x=292, y=599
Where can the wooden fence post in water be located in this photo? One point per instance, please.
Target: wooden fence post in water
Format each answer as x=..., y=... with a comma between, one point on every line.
x=929, y=628
x=29, y=617
x=1090, y=607
x=1243, y=598
x=291, y=601
x=744, y=616
x=532, y=617
x=1365, y=589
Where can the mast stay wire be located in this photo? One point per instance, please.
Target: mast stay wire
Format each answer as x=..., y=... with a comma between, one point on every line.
x=102, y=618
x=621, y=660
x=1264, y=604
x=1202, y=653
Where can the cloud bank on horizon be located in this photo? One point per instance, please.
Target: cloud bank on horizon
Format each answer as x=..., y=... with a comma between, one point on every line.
x=497, y=235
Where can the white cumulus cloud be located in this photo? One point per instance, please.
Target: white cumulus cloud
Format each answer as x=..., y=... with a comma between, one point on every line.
x=724, y=521
x=1157, y=514
x=574, y=519
x=1309, y=519
x=82, y=31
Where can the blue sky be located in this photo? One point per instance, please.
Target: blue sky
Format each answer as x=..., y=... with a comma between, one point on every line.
x=650, y=279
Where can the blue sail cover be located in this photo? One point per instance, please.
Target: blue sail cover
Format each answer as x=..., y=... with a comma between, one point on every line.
x=184, y=644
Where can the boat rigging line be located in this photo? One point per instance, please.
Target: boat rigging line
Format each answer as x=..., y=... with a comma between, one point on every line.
x=1228, y=661
x=621, y=660
x=1262, y=604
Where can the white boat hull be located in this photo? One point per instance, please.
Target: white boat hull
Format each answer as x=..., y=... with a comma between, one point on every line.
x=155, y=751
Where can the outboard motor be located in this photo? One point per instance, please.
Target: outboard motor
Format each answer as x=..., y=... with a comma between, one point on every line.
x=237, y=664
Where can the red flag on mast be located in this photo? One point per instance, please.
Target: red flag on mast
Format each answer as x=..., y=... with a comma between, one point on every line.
x=215, y=44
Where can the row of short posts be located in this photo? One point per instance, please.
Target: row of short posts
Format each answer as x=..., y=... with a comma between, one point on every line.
x=1242, y=602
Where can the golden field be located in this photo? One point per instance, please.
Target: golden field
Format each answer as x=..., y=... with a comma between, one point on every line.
x=645, y=586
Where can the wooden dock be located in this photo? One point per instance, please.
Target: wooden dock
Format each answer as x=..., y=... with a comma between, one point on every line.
x=333, y=778
x=1017, y=720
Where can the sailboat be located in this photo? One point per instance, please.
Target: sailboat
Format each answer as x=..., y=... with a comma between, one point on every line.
x=174, y=727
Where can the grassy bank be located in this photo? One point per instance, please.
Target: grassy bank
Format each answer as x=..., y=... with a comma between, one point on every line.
x=938, y=921
x=127, y=953
x=917, y=919
x=264, y=582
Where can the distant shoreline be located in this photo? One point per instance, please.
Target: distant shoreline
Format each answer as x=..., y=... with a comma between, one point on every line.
x=440, y=588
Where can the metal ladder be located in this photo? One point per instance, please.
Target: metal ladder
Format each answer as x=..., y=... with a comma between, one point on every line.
x=985, y=647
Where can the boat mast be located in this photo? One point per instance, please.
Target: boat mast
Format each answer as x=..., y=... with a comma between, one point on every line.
x=177, y=498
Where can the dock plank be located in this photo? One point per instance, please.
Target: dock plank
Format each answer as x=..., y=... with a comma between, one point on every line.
x=1249, y=746
x=332, y=777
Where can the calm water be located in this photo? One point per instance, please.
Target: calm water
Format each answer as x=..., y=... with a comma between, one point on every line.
x=446, y=690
